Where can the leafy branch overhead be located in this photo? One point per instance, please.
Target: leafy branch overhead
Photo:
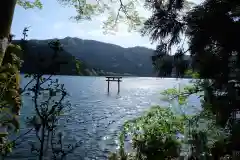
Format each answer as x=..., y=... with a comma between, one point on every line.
x=116, y=11
x=30, y=4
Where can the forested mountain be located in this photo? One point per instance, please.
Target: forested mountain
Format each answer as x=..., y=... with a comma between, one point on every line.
x=110, y=57
x=38, y=57
x=97, y=58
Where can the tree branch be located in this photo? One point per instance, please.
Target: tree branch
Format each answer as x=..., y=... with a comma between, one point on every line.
x=24, y=89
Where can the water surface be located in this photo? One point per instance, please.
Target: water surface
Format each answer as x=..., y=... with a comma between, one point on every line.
x=96, y=117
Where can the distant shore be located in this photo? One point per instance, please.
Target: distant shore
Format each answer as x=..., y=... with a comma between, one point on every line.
x=126, y=76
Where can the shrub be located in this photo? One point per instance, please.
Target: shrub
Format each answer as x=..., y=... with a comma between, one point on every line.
x=155, y=135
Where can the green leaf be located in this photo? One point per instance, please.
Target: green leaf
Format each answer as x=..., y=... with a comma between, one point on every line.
x=28, y=5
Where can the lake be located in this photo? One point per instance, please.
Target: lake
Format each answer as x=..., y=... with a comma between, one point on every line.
x=96, y=117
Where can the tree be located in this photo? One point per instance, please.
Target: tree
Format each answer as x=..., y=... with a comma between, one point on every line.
x=48, y=110
x=10, y=101
x=212, y=31
x=49, y=107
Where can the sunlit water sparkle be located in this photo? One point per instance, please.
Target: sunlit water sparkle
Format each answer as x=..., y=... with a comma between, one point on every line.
x=97, y=117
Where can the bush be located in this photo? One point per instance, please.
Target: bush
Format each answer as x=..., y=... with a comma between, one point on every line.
x=155, y=135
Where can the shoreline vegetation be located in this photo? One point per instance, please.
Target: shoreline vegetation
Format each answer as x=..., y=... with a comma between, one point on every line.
x=117, y=75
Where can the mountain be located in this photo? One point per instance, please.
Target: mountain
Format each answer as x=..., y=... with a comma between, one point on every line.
x=38, y=58
x=110, y=57
x=97, y=58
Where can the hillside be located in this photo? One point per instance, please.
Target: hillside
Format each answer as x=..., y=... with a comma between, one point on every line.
x=110, y=57
x=37, y=58
x=98, y=58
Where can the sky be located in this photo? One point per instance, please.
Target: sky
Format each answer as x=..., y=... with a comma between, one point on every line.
x=53, y=21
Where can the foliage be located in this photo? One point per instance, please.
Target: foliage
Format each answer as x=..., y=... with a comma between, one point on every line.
x=164, y=66
x=118, y=11
x=28, y=4
x=192, y=136
x=49, y=107
x=203, y=133
x=154, y=135
x=211, y=31
x=179, y=93
x=10, y=101
x=167, y=65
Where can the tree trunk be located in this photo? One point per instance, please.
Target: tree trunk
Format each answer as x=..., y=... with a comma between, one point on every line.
x=42, y=141
x=6, y=16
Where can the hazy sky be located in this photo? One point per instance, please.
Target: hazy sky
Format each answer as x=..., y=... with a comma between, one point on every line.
x=53, y=22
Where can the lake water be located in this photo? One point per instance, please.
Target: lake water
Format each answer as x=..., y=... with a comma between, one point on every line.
x=96, y=117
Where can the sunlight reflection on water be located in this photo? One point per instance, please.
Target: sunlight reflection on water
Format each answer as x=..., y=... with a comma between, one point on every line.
x=96, y=116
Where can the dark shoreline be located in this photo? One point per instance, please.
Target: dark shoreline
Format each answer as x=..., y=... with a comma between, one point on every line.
x=133, y=76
